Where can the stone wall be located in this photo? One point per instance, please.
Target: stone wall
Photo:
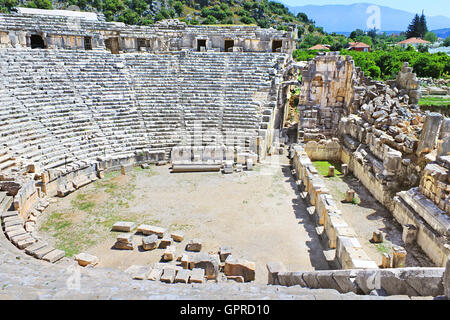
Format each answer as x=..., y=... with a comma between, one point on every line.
x=340, y=236
x=388, y=143
x=385, y=282
x=65, y=32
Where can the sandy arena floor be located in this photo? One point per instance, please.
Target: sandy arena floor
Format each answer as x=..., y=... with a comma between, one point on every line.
x=257, y=213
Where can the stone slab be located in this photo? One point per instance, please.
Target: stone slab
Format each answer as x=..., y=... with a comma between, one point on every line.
x=183, y=276
x=168, y=275
x=149, y=230
x=54, y=256
x=86, y=259
x=197, y=276
x=123, y=226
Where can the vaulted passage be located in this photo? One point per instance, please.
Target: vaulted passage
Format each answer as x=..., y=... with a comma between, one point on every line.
x=36, y=41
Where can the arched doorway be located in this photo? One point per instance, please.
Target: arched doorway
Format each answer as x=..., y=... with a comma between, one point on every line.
x=37, y=42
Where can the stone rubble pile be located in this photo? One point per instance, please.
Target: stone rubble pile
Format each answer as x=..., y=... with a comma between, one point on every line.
x=192, y=265
x=397, y=151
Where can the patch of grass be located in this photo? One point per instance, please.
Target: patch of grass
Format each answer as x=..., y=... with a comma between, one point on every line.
x=435, y=102
x=383, y=248
x=83, y=203
x=322, y=167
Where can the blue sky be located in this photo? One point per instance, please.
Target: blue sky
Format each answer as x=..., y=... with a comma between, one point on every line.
x=431, y=7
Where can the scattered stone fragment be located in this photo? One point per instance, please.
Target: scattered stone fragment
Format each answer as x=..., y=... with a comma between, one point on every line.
x=398, y=257
x=168, y=275
x=124, y=242
x=169, y=253
x=377, y=237
x=155, y=274
x=228, y=167
x=240, y=267
x=149, y=230
x=165, y=242
x=150, y=242
x=123, y=226
x=209, y=263
x=194, y=245
x=386, y=261
x=183, y=276
x=197, y=276
x=349, y=196
x=224, y=252
x=125, y=169
x=86, y=259
x=177, y=236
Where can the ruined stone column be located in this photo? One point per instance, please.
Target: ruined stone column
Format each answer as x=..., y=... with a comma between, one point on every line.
x=344, y=169
x=409, y=234
x=349, y=195
x=398, y=257
x=377, y=237
x=430, y=133
x=331, y=171
x=386, y=261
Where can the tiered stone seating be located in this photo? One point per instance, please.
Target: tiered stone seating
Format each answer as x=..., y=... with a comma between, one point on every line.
x=76, y=106
x=101, y=81
x=201, y=93
x=24, y=134
x=156, y=84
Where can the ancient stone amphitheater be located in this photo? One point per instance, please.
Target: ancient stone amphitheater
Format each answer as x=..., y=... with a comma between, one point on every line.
x=80, y=97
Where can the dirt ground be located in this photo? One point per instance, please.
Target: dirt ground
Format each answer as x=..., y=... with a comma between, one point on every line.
x=258, y=213
x=368, y=216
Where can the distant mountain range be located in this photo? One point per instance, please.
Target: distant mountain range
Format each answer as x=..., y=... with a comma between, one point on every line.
x=346, y=18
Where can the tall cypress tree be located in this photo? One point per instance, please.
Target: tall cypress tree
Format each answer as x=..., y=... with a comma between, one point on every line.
x=414, y=27
x=423, y=26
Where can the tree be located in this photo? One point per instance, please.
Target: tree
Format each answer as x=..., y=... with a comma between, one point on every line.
x=179, y=8
x=447, y=42
x=414, y=28
x=302, y=17
x=418, y=27
x=210, y=20
x=431, y=36
x=357, y=33
x=423, y=29
x=7, y=5
x=139, y=6
x=40, y=4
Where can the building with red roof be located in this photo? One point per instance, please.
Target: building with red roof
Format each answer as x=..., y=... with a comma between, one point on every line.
x=359, y=46
x=414, y=42
x=320, y=47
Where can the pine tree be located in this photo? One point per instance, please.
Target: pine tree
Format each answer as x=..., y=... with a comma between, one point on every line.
x=418, y=27
x=423, y=26
x=413, y=28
